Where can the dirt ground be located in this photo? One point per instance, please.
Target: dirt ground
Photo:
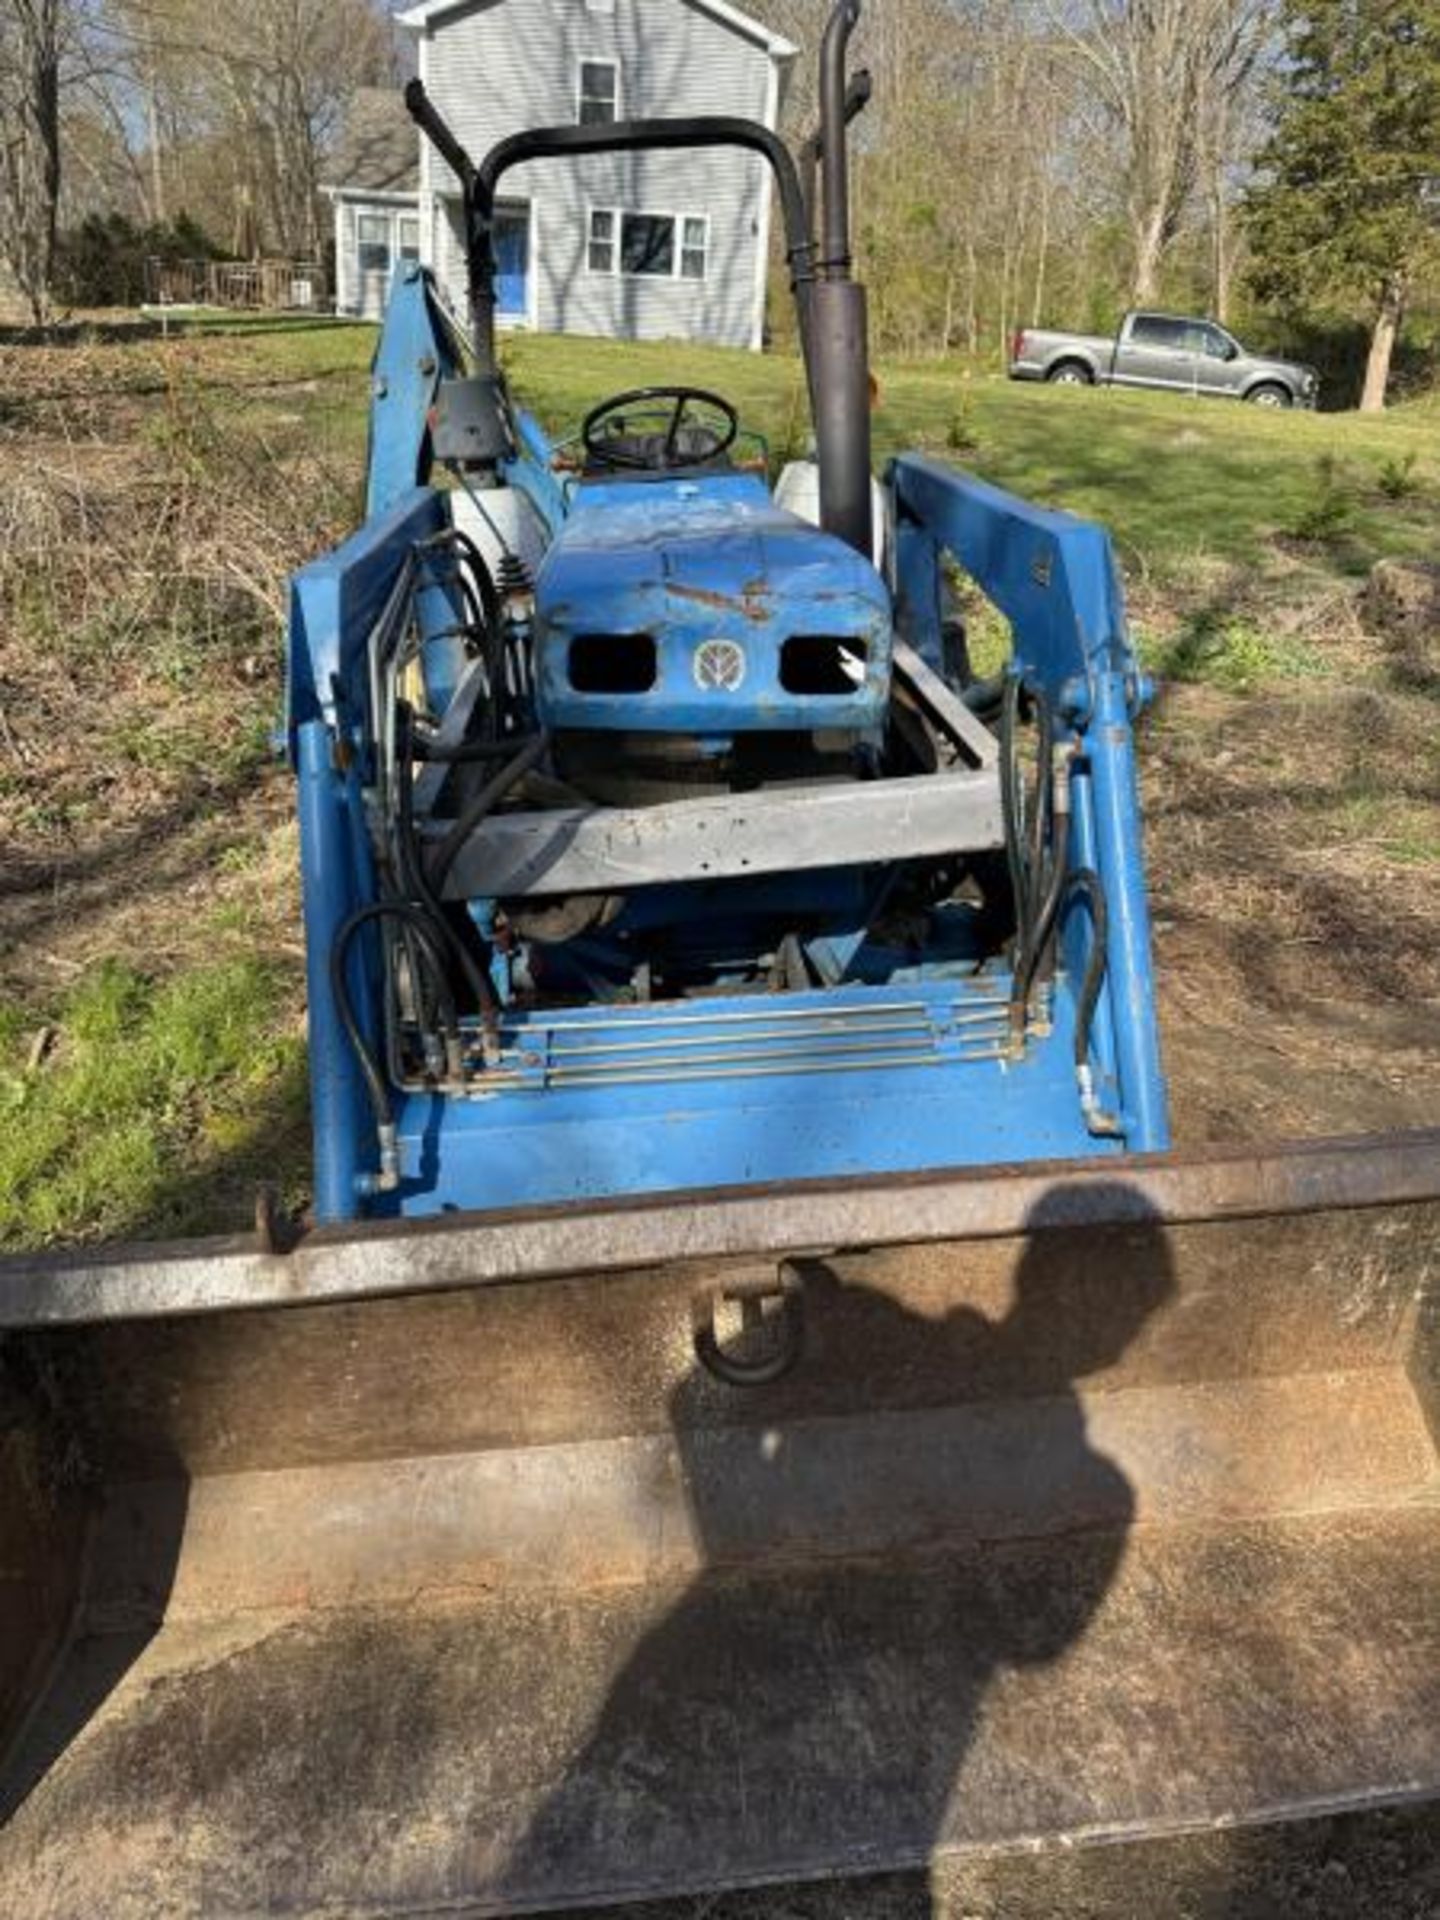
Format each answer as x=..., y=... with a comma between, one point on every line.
x=1297, y=928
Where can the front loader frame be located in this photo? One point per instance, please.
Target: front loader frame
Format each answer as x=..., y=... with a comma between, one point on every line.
x=375, y=1259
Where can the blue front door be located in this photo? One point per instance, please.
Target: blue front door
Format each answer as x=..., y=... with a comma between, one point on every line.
x=512, y=259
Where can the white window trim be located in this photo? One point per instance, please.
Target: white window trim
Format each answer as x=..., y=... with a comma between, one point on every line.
x=384, y=217
x=617, y=272
x=602, y=273
x=680, y=248
x=599, y=60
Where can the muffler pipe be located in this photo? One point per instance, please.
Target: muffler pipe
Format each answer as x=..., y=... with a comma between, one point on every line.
x=834, y=157
x=841, y=381
x=857, y=98
x=842, y=410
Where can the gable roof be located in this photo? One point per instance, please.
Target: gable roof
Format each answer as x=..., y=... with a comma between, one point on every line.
x=379, y=146
x=426, y=12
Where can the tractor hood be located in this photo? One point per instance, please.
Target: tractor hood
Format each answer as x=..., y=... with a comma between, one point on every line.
x=696, y=605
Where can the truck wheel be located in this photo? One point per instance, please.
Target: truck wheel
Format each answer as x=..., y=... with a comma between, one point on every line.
x=1268, y=395
x=1070, y=373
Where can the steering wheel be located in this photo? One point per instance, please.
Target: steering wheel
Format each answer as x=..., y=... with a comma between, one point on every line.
x=665, y=435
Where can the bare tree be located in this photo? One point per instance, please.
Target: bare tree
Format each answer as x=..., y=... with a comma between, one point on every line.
x=32, y=40
x=1168, y=72
x=245, y=96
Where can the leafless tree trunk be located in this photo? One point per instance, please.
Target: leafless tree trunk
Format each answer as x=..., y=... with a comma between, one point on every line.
x=157, y=168
x=31, y=44
x=1219, y=247
x=1042, y=248
x=1152, y=229
x=1167, y=71
x=1383, y=333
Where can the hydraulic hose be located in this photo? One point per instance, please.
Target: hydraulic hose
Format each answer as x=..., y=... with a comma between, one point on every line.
x=376, y=1090
x=483, y=622
x=1052, y=878
x=413, y=878
x=1012, y=804
x=484, y=802
x=985, y=697
x=1044, y=798
x=1037, y=841
x=484, y=584
x=464, y=752
x=1085, y=880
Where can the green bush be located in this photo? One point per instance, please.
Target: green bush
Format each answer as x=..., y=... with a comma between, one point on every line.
x=1397, y=477
x=101, y=263
x=1226, y=650
x=1331, y=507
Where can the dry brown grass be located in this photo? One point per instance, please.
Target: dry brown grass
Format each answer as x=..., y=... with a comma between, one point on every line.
x=1294, y=840
x=143, y=583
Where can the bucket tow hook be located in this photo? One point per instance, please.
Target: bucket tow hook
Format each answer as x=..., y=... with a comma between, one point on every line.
x=769, y=1336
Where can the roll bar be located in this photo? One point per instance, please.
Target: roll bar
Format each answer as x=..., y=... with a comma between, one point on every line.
x=623, y=136
x=831, y=322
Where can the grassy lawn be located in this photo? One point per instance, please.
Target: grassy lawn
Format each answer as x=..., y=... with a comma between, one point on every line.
x=1173, y=478
x=159, y=488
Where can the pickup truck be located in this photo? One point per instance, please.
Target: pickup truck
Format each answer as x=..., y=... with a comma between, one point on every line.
x=1165, y=351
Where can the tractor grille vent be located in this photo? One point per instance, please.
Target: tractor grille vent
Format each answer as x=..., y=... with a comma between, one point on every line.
x=612, y=663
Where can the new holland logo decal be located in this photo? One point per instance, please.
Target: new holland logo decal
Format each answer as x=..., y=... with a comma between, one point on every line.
x=719, y=666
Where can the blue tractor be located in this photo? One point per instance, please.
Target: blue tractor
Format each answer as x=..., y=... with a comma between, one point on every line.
x=681, y=1455
x=656, y=832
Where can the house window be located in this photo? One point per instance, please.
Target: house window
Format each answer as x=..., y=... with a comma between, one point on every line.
x=599, y=104
x=694, y=245
x=601, y=255
x=658, y=246
x=373, y=237
x=647, y=243
x=409, y=237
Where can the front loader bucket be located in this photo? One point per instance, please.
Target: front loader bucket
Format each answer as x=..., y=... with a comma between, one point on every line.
x=429, y=1570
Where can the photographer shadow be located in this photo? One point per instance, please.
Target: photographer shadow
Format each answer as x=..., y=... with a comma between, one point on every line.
x=913, y=1512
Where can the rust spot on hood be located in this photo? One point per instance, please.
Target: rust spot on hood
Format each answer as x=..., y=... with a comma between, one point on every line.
x=751, y=603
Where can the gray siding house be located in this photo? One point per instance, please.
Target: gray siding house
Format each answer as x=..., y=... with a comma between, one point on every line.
x=376, y=200
x=641, y=246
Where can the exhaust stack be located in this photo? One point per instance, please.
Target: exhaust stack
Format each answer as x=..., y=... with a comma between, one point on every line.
x=840, y=369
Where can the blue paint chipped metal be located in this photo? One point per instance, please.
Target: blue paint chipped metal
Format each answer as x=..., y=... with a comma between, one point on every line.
x=688, y=563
